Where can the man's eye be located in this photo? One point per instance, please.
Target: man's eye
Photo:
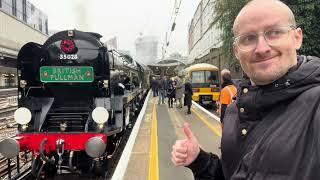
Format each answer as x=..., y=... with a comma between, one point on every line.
x=274, y=33
x=248, y=39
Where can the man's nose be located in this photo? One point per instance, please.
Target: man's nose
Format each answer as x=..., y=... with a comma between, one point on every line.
x=262, y=45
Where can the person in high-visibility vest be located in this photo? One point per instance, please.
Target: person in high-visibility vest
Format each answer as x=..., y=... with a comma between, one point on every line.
x=228, y=92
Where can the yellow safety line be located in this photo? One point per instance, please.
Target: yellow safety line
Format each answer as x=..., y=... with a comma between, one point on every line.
x=154, y=160
x=207, y=123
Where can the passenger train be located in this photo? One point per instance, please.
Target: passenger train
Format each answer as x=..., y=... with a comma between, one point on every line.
x=76, y=100
x=205, y=83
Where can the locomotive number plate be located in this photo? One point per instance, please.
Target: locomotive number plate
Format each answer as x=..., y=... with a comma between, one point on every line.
x=52, y=74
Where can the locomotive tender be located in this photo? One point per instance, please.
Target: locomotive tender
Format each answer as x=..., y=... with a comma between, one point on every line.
x=76, y=100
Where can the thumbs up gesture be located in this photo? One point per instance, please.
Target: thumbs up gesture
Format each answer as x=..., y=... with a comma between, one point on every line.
x=185, y=151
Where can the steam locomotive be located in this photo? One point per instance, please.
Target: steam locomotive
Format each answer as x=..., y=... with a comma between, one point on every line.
x=76, y=100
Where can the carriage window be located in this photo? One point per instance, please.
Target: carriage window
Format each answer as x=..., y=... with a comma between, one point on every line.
x=212, y=77
x=198, y=77
x=205, y=77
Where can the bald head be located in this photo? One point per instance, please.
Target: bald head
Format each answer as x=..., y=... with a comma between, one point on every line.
x=274, y=5
x=226, y=75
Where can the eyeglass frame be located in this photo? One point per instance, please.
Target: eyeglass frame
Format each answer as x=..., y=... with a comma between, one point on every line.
x=236, y=39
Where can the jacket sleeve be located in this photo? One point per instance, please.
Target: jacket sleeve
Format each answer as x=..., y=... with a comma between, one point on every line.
x=207, y=166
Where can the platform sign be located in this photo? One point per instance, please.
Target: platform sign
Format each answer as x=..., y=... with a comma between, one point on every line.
x=52, y=74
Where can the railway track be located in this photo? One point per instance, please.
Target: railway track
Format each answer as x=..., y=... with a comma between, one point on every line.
x=8, y=128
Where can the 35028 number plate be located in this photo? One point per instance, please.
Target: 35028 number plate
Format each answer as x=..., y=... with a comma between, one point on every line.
x=81, y=74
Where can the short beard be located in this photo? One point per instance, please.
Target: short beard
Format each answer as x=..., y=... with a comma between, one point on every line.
x=263, y=79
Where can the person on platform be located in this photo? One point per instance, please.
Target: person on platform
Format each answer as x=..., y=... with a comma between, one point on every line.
x=227, y=93
x=170, y=93
x=188, y=95
x=179, y=86
x=272, y=130
x=154, y=86
x=162, y=90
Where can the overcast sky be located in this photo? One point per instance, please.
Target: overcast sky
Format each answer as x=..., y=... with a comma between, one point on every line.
x=126, y=19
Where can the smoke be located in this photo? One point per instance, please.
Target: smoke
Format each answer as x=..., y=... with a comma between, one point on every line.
x=81, y=9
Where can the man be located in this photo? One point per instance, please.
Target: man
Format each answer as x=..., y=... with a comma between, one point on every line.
x=228, y=91
x=179, y=86
x=188, y=95
x=170, y=92
x=162, y=90
x=154, y=86
x=272, y=130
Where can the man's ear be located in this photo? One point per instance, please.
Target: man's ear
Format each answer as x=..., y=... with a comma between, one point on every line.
x=298, y=37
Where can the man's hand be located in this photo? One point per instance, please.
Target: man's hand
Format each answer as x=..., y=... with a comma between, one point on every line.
x=185, y=151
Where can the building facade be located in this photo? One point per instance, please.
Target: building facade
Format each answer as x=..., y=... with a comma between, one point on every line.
x=24, y=11
x=203, y=38
x=20, y=22
x=146, y=49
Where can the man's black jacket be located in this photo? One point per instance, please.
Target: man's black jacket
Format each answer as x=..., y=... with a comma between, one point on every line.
x=277, y=133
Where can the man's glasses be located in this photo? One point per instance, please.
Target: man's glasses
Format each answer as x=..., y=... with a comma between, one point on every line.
x=273, y=36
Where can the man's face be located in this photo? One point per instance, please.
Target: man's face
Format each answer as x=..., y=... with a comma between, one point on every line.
x=266, y=63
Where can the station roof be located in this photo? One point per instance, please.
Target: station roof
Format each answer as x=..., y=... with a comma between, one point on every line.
x=168, y=65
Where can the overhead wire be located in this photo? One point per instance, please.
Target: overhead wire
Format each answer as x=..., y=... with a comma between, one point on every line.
x=174, y=15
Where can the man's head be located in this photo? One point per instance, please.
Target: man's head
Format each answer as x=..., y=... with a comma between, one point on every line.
x=266, y=40
x=225, y=75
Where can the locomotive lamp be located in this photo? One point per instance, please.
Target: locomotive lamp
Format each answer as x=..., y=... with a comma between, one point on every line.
x=100, y=115
x=22, y=116
x=70, y=33
x=105, y=83
x=23, y=83
x=100, y=126
x=24, y=127
x=63, y=126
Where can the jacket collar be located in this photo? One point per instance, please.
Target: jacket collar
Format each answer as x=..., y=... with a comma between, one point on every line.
x=258, y=99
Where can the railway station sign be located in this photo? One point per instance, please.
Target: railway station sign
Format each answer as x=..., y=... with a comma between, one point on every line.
x=52, y=74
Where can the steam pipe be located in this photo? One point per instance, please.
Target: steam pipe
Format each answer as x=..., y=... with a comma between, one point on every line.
x=43, y=157
x=70, y=162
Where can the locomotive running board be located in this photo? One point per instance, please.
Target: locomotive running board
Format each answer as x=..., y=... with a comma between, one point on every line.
x=114, y=131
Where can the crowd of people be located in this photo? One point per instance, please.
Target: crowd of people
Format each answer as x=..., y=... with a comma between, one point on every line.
x=174, y=89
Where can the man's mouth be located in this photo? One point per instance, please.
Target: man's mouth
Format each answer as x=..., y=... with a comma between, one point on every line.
x=263, y=60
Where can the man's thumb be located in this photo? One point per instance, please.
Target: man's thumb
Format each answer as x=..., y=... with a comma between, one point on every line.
x=187, y=131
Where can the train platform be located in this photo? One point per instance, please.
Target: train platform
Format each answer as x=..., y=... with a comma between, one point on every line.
x=147, y=155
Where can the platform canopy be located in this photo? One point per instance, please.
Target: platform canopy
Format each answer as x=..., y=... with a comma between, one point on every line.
x=169, y=66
